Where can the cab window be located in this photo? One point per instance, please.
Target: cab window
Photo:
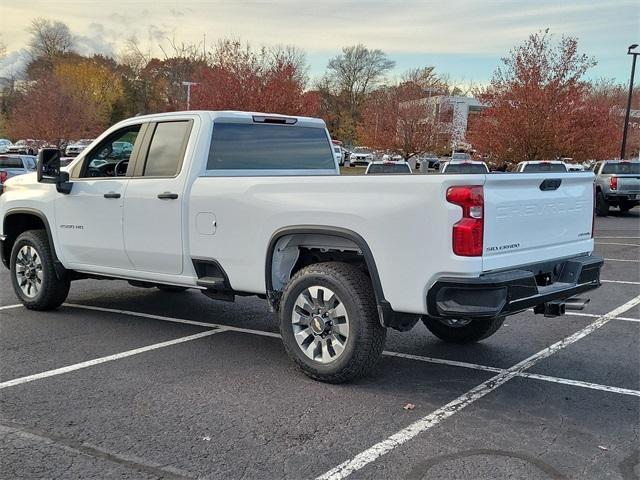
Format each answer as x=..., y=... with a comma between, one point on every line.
x=110, y=158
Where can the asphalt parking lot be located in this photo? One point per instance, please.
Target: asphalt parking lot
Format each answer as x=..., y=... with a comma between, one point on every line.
x=124, y=382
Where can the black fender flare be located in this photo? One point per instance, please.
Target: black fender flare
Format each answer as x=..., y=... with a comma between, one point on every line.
x=323, y=230
x=388, y=318
x=59, y=268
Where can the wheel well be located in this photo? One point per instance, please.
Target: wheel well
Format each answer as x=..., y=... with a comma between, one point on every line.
x=293, y=251
x=14, y=225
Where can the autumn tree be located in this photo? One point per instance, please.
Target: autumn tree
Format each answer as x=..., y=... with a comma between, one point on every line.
x=400, y=118
x=240, y=78
x=49, y=110
x=350, y=77
x=49, y=39
x=94, y=84
x=539, y=105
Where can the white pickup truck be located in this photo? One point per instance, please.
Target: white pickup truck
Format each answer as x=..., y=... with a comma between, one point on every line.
x=236, y=203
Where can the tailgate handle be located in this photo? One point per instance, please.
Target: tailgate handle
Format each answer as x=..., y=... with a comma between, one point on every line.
x=550, y=184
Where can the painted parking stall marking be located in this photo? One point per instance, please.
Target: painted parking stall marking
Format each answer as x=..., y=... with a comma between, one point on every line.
x=109, y=358
x=382, y=448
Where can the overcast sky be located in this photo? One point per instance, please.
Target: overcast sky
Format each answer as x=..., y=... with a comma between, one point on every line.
x=464, y=38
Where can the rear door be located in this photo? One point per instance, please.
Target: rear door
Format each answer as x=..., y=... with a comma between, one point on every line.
x=536, y=217
x=153, y=205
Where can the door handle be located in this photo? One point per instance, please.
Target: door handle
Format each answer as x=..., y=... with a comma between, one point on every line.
x=112, y=195
x=167, y=196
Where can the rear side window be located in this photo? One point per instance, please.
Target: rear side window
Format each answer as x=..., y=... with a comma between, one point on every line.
x=166, y=150
x=544, y=167
x=621, y=168
x=242, y=146
x=10, y=162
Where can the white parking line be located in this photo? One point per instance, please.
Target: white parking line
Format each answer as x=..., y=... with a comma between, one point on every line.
x=7, y=307
x=621, y=244
x=624, y=282
x=109, y=358
x=623, y=238
x=578, y=383
x=373, y=453
x=173, y=319
x=620, y=260
x=546, y=378
x=593, y=315
x=441, y=361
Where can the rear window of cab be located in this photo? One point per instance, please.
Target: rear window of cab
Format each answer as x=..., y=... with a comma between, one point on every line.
x=247, y=146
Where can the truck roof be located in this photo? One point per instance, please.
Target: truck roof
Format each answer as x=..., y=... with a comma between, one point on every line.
x=236, y=116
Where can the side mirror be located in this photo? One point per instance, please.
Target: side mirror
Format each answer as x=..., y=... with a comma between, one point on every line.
x=48, y=170
x=48, y=165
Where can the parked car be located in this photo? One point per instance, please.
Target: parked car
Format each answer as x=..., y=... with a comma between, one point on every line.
x=25, y=147
x=468, y=166
x=541, y=166
x=460, y=156
x=388, y=168
x=337, y=150
x=75, y=148
x=361, y=157
x=4, y=145
x=617, y=185
x=229, y=203
x=575, y=167
x=13, y=165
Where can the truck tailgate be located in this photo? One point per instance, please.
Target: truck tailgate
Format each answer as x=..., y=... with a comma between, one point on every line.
x=628, y=183
x=531, y=218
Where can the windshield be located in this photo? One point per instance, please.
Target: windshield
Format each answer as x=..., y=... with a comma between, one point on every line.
x=621, y=167
x=361, y=150
x=460, y=156
x=394, y=168
x=10, y=162
x=465, y=168
x=544, y=167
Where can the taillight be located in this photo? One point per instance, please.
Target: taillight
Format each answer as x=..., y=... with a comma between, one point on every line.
x=468, y=232
x=613, y=183
x=3, y=176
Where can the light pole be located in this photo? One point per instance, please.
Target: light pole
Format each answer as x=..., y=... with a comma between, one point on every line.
x=188, y=85
x=626, y=117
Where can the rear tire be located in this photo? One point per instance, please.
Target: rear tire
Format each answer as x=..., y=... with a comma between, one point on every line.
x=473, y=331
x=602, y=206
x=171, y=288
x=329, y=322
x=33, y=274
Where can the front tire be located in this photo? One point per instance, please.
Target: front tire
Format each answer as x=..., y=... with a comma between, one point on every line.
x=463, y=331
x=33, y=275
x=329, y=322
x=602, y=206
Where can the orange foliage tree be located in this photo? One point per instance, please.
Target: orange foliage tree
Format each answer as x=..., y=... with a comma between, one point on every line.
x=400, y=118
x=50, y=110
x=241, y=79
x=539, y=107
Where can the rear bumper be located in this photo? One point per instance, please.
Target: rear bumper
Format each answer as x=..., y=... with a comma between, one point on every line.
x=508, y=292
x=616, y=197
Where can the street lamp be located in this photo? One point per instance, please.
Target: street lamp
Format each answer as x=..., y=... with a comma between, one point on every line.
x=188, y=85
x=626, y=117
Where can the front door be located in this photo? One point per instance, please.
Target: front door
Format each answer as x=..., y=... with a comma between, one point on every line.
x=89, y=219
